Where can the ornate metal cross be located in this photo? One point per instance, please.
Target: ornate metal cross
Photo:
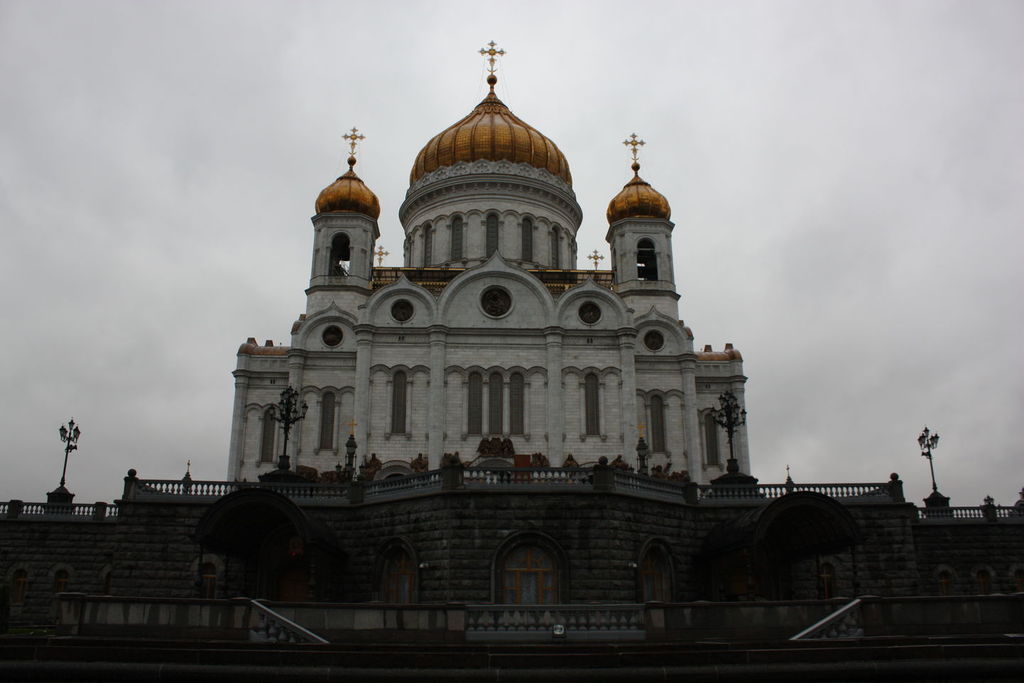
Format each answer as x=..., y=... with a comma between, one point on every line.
x=380, y=254
x=595, y=257
x=353, y=139
x=352, y=426
x=633, y=142
x=492, y=55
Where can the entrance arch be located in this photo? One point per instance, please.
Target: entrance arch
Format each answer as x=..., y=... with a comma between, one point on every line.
x=285, y=555
x=754, y=555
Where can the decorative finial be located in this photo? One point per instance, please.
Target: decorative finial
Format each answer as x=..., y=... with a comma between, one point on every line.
x=492, y=55
x=633, y=142
x=595, y=257
x=353, y=139
x=188, y=467
x=353, y=423
x=380, y=254
x=640, y=428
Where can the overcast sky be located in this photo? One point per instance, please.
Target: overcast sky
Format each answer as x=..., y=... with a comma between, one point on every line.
x=845, y=178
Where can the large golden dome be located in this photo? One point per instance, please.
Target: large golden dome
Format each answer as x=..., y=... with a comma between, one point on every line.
x=638, y=199
x=494, y=133
x=348, y=194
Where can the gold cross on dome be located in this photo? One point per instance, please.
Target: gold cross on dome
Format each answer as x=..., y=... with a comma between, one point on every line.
x=380, y=254
x=352, y=426
x=640, y=428
x=492, y=55
x=353, y=139
x=595, y=257
x=633, y=142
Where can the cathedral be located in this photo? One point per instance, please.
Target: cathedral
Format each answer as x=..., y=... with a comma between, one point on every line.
x=490, y=341
x=491, y=444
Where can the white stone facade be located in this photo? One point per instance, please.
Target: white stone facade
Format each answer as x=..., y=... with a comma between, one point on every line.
x=571, y=367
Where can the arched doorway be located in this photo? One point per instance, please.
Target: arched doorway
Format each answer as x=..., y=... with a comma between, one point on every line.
x=766, y=553
x=282, y=553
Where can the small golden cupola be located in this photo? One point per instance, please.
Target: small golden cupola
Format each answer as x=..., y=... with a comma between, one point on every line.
x=637, y=199
x=349, y=194
x=493, y=133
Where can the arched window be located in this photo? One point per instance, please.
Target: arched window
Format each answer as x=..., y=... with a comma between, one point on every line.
x=495, y=403
x=710, y=439
x=590, y=401
x=655, y=577
x=327, y=420
x=19, y=587
x=398, y=389
x=456, y=246
x=945, y=582
x=492, y=233
x=267, y=437
x=208, y=581
x=984, y=579
x=61, y=578
x=529, y=577
x=341, y=255
x=556, y=258
x=657, y=424
x=516, y=390
x=646, y=261
x=527, y=245
x=826, y=581
x=475, y=402
x=398, y=582
x=428, y=245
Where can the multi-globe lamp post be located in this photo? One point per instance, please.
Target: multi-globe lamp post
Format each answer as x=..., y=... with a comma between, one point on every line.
x=929, y=441
x=69, y=435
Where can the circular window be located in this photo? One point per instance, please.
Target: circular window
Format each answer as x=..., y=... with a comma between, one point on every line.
x=653, y=340
x=401, y=310
x=590, y=312
x=332, y=336
x=496, y=302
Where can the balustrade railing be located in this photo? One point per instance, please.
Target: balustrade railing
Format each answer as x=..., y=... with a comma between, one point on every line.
x=215, y=489
x=278, y=628
x=497, y=477
x=71, y=511
x=501, y=622
x=970, y=512
x=767, y=491
x=843, y=623
x=638, y=484
x=414, y=483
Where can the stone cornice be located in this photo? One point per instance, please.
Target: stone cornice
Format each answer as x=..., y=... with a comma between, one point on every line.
x=471, y=178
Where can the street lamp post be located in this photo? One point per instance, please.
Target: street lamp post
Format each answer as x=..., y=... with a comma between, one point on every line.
x=69, y=435
x=929, y=441
x=289, y=410
x=730, y=417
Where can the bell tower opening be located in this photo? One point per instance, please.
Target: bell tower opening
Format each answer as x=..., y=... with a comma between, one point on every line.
x=341, y=255
x=646, y=261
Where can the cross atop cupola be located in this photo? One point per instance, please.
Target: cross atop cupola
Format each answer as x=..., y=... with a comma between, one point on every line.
x=492, y=52
x=634, y=143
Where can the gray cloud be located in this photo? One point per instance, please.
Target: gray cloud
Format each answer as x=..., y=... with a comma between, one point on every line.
x=845, y=179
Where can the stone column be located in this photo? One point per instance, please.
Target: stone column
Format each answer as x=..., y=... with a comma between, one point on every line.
x=361, y=409
x=437, y=403
x=555, y=413
x=627, y=361
x=691, y=422
x=237, y=446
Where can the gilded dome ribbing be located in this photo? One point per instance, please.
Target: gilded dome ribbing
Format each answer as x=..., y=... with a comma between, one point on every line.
x=492, y=132
x=348, y=194
x=638, y=199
